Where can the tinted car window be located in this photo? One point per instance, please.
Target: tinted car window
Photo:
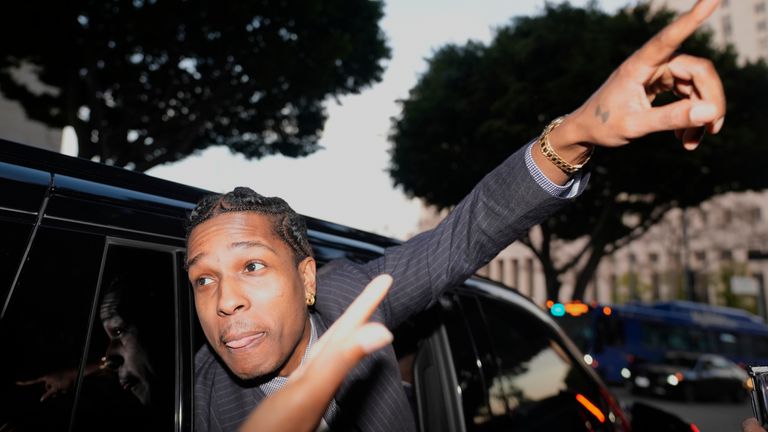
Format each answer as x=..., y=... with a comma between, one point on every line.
x=44, y=330
x=466, y=361
x=15, y=237
x=537, y=383
x=129, y=383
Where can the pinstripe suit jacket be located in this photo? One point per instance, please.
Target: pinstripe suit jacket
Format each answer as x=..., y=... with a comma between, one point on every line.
x=501, y=208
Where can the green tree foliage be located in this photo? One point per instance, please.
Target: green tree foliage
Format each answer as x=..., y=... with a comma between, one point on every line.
x=477, y=104
x=145, y=82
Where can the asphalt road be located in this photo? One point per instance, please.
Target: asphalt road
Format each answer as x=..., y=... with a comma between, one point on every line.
x=707, y=416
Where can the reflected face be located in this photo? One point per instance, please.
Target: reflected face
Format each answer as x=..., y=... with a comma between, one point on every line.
x=134, y=369
x=250, y=294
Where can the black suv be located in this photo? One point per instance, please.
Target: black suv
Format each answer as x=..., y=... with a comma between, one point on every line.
x=99, y=332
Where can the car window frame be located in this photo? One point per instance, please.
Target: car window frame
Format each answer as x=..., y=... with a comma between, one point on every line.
x=113, y=241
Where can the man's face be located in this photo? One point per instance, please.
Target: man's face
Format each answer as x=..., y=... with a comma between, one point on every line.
x=250, y=294
x=134, y=369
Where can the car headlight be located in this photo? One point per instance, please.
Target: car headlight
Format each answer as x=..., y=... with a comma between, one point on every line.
x=748, y=385
x=674, y=379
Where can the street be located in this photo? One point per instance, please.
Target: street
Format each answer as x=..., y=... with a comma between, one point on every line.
x=708, y=416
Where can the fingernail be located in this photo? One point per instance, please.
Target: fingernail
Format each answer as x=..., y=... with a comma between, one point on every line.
x=702, y=113
x=718, y=125
x=375, y=338
x=692, y=138
x=381, y=283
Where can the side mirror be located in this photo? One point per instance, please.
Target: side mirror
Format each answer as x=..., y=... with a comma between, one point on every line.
x=648, y=418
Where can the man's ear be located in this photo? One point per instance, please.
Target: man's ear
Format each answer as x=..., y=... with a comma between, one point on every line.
x=308, y=273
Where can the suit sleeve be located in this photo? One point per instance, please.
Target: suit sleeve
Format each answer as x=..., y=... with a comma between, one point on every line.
x=498, y=211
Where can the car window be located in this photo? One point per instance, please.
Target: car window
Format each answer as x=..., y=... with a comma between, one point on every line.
x=707, y=364
x=720, y=363
x=729, y=344
x=44, y=330
x=538, y=385
x=466, y=361
x=129, y=383
x=15, y=237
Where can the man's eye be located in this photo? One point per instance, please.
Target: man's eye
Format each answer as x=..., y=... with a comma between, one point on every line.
x=203, y=281
x=253, y=266
x=117, y=331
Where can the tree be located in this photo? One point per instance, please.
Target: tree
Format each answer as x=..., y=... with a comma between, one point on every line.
x=145, y=82
x=476, y=104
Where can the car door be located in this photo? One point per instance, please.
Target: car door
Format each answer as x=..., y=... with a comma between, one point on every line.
x=533, y=382
x=91, y=319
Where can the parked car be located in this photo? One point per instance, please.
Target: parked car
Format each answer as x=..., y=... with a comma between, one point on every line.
x=99, y=331
x=692, y=376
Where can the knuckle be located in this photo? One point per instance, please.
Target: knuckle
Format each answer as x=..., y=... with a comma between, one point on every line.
x=625, y=69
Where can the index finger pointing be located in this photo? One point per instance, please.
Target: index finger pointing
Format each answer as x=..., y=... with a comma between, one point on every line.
x=664, y=43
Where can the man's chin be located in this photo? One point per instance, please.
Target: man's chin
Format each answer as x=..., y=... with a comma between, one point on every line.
x=251, y=372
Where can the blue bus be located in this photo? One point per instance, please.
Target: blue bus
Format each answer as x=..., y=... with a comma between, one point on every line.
x=615, y=337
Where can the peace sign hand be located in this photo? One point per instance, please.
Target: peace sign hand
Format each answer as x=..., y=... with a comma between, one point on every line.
x=300, y=405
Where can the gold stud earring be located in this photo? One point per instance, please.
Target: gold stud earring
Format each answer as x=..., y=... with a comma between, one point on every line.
x=310, y=299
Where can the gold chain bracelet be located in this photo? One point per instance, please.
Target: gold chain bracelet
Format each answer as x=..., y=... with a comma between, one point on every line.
x=555, y=158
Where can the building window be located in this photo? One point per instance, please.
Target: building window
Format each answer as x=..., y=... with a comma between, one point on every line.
x=653, y=257
x=726, y=255
x=500, y=270
x=762, y=44
x=761, y=26
x=760, y=7
x=756, y=214
x=529, y=270
x=727, y=28
x=700, y=256
x=656, y=286
x=727, y=217
x=515, y=273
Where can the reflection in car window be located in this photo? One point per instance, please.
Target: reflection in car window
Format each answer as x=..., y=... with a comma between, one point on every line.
x=129, y=382
x=537, y=384
x=44, y=329
x=466, y=362
x=720, y=363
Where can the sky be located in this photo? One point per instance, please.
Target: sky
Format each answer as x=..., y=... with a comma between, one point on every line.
x=346, y=181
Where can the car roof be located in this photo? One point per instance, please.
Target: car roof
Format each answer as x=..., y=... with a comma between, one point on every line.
x=92, y=177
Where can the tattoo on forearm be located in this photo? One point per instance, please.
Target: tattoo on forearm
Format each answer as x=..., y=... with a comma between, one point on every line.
x=603, y=115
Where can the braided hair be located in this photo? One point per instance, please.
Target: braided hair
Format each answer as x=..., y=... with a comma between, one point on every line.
x=286, y=223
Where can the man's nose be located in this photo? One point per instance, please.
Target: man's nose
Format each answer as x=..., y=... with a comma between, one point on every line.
x=231, y=298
